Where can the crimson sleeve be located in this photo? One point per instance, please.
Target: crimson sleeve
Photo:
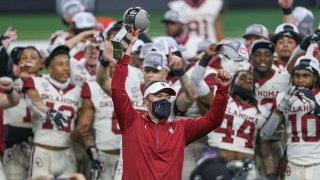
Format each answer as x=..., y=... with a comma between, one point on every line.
x=122, y=104
x=28, y=84
x=85, y=91
x=198, y=127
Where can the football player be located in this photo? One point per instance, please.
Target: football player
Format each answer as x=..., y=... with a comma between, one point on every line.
x=54, y=106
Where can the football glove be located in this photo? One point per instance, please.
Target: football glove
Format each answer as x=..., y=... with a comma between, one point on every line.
x=57, y=118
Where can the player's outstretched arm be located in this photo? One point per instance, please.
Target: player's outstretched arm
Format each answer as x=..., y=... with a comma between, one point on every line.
x=10, y=97
x=189, y=95
x=103, y=71
x=122, y=104
x=196, y=128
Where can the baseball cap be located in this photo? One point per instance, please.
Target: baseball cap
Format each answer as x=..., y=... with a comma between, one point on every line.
x=233, y=50
x=173, y=16
x=155, y=59
x=158, y=86
x=72, y=7
x=261, y=43
x=16, y=52
x=305, y=20
x=203, y=45
x=287, y=30
x=137, y=46
x=308, y=63
x=84, y=20
x=258, y=30
x=145, y=49
x=62, y=49
x=164, y=43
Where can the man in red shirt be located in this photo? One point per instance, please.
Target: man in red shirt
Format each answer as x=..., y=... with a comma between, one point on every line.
x=152, y=146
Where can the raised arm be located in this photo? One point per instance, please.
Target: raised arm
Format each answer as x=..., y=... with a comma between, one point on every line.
x=189, y=95
x=121, y=101
x=286, y=6
x=103, y=71
x=196, y=128
x=10, y=97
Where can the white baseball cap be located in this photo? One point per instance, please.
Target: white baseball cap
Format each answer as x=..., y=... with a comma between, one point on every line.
x=258, y=30
x=72, y=7
x=159, y=86
x=305, y=19
x=309, y=63
x=287, y=30
x=164, y=43
x=84, y=20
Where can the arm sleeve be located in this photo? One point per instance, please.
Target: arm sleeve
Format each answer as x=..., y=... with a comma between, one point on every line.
x=196, y=128
x=28, y=84
x=122, y=104
x=85, y=92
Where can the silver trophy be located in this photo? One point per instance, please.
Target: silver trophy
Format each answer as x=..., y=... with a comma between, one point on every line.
x=134, y=18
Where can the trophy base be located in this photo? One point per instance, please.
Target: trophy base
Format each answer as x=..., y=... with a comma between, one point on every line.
x=121, y=43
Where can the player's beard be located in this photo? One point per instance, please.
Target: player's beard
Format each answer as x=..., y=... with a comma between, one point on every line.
x=244, y=93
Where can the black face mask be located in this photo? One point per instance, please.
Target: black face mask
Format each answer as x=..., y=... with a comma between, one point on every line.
x=244, y=93
x=161, y=108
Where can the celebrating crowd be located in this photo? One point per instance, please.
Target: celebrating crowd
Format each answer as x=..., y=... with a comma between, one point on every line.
x=191, y=104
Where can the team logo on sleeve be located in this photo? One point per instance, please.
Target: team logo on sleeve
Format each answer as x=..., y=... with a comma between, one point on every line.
x=44, y=84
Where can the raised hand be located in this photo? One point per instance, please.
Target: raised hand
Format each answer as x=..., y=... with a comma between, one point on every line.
x=212, y=50
x=174, y=62
x=6, y=84
x=223, y=78
x=11, y=35
x=285, y=4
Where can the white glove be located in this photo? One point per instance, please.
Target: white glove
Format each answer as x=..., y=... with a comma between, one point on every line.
x=288, y=99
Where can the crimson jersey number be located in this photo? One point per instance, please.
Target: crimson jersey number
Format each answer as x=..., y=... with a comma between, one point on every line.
x=199, y=27
x=48, y=124
x=241, y=132
x=304, y=128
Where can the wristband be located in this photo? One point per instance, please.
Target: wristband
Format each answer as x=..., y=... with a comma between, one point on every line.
x=204, y=61
x=179, y=72
x=9, y=91
x=287, y=11
x=104, y=63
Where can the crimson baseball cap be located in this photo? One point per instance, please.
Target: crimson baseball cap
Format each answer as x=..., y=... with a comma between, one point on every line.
x=159, y=86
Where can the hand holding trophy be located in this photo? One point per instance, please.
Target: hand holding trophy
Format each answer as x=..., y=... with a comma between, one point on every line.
x=134, y=18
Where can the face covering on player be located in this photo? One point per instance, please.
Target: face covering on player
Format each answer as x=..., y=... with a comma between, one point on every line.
x=161, y=108
x=242, y=92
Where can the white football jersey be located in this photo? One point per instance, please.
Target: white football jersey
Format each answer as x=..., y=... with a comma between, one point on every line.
x=239, y=128
x=67, y=101
x=106, y=128
x=135, y=90
x=191, y=46
x=268, y=88
x=303, y=132
x=200, y=19
x=59, y=37
x=19, y=115
x=79, y=73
